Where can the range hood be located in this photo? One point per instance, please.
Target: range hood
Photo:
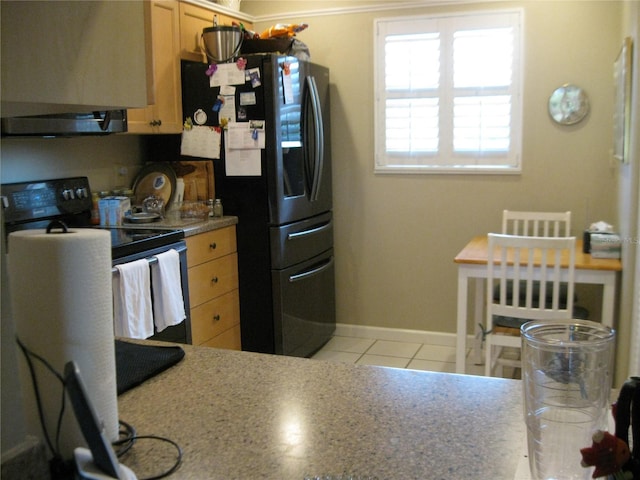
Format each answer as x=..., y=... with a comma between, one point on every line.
x=66, y=124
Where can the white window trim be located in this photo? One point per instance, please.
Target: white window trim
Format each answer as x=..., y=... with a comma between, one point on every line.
x=517, y=114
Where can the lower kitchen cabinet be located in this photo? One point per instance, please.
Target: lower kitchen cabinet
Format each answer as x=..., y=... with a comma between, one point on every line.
x=212, y=263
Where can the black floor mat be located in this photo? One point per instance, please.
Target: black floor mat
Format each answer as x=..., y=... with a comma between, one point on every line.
x=136, y=363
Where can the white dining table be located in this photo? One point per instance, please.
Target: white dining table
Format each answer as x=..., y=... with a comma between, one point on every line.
x=472, y=264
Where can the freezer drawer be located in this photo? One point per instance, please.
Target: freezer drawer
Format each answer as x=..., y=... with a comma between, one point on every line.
x=299, y=241
x=304, y=306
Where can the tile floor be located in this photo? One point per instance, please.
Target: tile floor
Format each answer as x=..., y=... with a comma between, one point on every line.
x=416, y=356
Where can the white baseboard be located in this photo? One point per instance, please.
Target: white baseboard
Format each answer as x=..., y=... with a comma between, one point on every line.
x=396, y=334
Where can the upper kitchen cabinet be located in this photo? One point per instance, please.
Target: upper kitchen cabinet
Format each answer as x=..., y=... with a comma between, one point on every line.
x=164, y=113
x=193, y=19
x=70, y=56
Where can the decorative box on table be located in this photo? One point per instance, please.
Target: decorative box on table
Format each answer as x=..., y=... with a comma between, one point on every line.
x=601, y=244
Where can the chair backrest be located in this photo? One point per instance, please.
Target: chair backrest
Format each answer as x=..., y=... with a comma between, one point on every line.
x=542, y=264
x=536, y=224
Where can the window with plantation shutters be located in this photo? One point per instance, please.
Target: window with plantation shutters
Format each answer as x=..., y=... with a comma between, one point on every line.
x=448, y=93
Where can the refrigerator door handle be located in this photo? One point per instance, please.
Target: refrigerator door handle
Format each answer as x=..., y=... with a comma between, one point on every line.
x=311, y=231
x=310, y=273
x=318, y=154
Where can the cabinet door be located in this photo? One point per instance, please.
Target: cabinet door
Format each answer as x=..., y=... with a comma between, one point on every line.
x=165, y=115
x=193, y=19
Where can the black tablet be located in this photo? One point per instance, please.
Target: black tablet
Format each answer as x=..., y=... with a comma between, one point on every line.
x=104, y=458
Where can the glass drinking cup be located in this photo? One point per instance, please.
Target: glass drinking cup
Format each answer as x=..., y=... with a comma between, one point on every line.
x=567, y=369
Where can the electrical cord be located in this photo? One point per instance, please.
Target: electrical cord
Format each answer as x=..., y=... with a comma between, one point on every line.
x=131, y=438
x=128, y=435
x=126, y=438
x=55, y=451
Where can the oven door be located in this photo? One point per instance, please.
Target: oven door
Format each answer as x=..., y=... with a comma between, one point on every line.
x=180, y=333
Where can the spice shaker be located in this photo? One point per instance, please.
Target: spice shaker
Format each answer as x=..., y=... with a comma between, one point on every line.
x=217, y=208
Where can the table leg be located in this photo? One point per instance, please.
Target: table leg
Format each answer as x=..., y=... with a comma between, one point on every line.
x=608, y=299
x=478, y=306
x=461, y=339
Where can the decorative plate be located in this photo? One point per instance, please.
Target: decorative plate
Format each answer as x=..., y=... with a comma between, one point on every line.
x=157, y=179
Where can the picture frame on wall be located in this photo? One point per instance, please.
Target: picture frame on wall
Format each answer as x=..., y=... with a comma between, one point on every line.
x=622, y=112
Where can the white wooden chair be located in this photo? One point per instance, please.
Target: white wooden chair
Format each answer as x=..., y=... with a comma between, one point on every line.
x=536, y=224
x=540, y=224
x=523, y=262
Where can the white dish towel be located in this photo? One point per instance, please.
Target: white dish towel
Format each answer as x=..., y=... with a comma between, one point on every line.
x=133, y=316
x=168, y=304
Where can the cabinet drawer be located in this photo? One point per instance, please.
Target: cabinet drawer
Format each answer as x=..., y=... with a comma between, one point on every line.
x=229, y=339
x=212, y=279
x=210, y=245
x=214, y=317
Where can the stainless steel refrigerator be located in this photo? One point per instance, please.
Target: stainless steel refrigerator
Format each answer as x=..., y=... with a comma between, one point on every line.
x=284, y=203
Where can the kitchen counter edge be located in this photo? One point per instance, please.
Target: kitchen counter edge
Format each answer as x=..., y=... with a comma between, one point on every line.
x=189, y=227
x=208, y=225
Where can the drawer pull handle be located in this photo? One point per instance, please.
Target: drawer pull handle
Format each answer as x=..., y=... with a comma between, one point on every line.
x=214, y=280
x=213, y=246
x=216, y=317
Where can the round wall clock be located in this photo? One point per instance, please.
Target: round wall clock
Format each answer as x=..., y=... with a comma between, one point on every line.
x=568, y=104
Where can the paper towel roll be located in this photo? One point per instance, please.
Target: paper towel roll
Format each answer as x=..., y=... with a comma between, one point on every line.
x=60, y=289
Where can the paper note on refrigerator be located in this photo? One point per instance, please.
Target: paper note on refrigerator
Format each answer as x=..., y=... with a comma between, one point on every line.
x=227, y=74
x=201, y=141
x=241, y=162
x=228, y=109
x=246, y=135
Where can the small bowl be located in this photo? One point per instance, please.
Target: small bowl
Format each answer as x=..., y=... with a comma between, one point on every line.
x=198, y=210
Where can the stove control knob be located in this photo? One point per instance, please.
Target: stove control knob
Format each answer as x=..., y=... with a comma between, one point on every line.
x=81, y=192
x=68, y=194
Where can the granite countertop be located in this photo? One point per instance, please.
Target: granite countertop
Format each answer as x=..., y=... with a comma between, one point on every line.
x=241, y=415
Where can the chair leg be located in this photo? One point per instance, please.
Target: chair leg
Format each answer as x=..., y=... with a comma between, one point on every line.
x=488, y=354
x=493, y=367
x=498, y=370
x=477, y=348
